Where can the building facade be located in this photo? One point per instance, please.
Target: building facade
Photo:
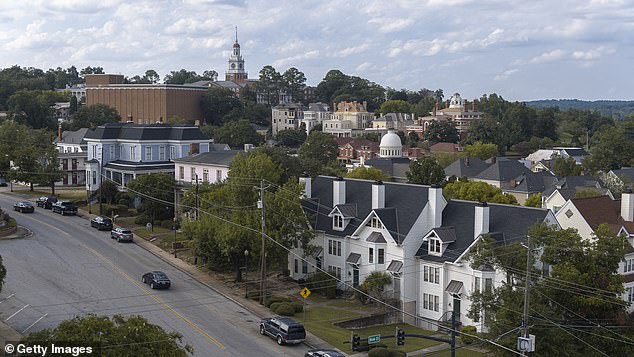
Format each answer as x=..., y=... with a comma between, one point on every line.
x=314, y=115
x=72, y=155
x=286, y=116
x=350, y=119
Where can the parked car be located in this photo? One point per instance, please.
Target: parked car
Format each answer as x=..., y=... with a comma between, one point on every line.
x=24, y=207
x=283, y=330
x=156, y=280
x=64, y=208
x=101, y=223
x=3, y=182
x=121, y=234
x=324, y=353
x=46, y=202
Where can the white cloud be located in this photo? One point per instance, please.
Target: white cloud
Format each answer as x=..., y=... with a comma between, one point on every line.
x=293, y=60
x=505, y=75
x=592, y=54
x=349, y=51
x=550, y=56
x=387, y=25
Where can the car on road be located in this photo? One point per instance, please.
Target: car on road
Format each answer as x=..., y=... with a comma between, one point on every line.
x=46, y=202
x=101, y=223
x=157, y=280
x=283, y=329
x=24, y=207
x=3, y=182
x=121, y=234
x=64, y=208
x=324, y=353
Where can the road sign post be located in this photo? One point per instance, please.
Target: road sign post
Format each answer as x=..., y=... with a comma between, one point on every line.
x=374, y=339
x=305, y=292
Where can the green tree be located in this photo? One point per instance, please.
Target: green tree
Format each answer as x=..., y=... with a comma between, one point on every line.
x=442, y=132
x=336, y=87
x=424, y=106
x=481, y=151
x=294, y=82
x=289, y=164
x=535, y=200
x=588, y=193
x=477, y=191
x=269, y=84
x=374, y=285
x=425, y=171
x=395, y=106
x=319, y=150
x=34, y=157
x=181, y=77
x=610, y=149
x=156, y=192
x=73, y=105
x=33, y=108
x=236, y=134
x=91, y=116
x=151, y=76
x=566, y=167
x=291, y=137
x=91, y=70
x=48, y=170
x=217, y=103
x=125, y=336
x=108, y=191
x=367, y=173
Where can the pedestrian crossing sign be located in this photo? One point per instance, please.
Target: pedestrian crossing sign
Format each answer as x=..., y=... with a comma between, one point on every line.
x=304, y=293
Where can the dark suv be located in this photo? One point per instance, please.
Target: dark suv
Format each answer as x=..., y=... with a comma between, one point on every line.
x=101, y=223
x=283, y=330
x=64, y=208
x=46, y=202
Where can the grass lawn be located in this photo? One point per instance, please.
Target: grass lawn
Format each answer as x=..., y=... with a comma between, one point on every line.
x=64, y=194
x=411, y=343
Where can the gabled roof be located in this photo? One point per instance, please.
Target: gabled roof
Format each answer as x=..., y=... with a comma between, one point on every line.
x=348, y=210
x=446, y=234
x=318, y=107
x=129, y=131
x=571, y=183
x=506, y=223
x=404, y=204
x=503, y=170
x=602, y=209
x=530, y=182
x=575, y=152
x=466, y=167
x=73, y=137
x=445, y=147
x=376, y=237
x=625, y=171
x=220, y=158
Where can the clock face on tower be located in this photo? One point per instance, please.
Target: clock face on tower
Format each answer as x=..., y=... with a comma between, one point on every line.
x=233, y=65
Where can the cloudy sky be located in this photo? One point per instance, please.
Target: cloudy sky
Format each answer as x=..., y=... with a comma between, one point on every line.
x=522, y=50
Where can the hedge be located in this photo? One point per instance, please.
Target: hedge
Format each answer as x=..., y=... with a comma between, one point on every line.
x=285, y=309
x=297, y=306
x=471, y=330
x=273, y=299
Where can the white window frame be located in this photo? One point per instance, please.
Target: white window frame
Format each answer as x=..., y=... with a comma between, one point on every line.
x=435, y=246
x=206, y=175
x=337, y=222
x=172, y=152
x=148, y=153
x=380, y=254
x=132, y=153
x=371, y=255
x=111, y=151
x=161, y=153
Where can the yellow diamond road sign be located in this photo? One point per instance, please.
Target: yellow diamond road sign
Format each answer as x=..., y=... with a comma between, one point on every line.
x=304, y=293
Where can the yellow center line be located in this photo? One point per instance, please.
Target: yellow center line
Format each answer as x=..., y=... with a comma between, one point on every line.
x=145, y=290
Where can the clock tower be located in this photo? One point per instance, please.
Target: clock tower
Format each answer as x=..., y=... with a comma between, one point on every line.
x=235, y=71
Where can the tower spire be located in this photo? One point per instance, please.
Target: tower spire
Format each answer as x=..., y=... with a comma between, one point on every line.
x=236, y=34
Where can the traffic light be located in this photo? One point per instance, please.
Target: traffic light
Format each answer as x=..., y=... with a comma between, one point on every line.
x=356, y=341
x=400, y=337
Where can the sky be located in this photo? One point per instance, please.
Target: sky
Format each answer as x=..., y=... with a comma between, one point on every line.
x=522, y=50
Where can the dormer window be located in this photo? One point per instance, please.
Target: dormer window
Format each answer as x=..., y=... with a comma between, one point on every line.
x=375, y=223
x=435, y=246
x=337, y=222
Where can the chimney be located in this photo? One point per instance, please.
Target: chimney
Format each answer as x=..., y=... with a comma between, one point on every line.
x=481, y=220
x=306, y=182
x=338, y=191
x=627, y=205
x=435, y=203
x=378, y=195
x=59, y=132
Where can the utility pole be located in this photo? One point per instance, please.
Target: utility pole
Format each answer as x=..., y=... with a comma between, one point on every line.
x=526, y=291
x=263, y=249
x=100, y=195
x=197, y=206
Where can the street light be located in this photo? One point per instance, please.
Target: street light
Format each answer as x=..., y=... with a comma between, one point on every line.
x=246, y=273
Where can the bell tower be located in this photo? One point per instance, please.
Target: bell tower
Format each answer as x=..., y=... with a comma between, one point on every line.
x=235, y=71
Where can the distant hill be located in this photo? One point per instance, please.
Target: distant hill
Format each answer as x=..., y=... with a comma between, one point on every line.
x=617, y=109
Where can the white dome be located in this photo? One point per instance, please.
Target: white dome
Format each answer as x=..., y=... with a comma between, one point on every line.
x=391, y=140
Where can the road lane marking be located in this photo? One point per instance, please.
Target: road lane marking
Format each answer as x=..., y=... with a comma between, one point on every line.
x=33, y=324
x=7, y=298
x=143, y=288
x=17, y=312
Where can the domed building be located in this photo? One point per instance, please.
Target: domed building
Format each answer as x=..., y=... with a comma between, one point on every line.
x=391, y=145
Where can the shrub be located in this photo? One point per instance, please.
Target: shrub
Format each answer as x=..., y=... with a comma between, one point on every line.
x=297, y=306
x=273, y=299
x=324, y=284
x=125, y=202
x=142, y=219
x=285, y=309
x=167, y=224
x=386, y=352
x=467, y=340
x=122, y=209
x=274, y=305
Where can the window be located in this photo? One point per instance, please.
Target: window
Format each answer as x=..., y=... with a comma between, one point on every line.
x=132, y=153
x=148, y=153
x=371, y=255
x=476, y=284
x=94, y=177
x=94, y=151
x=569, y=213
x=431, y=302
x=172, y=152
x=111, y=151
x=488, y=285
x=162, y=153
x=336, y=271
x=337, y=221
x=434, y=246
x=304, y=267
x=375, y=223
x=629, y=294
x=296, y=266
x=206, y=175
x=628, y=266
x=334, y=247
x=192, y=173
x=431, y=274
x=381, y=256
x=218, y=175
x=181, y=172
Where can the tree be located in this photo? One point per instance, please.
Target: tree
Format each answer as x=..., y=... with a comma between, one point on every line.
x=123, y=336
x=156, y=192
x=217, y=103
x=588, y=193
x=481, y=151
x=34, y=158
x=374, y=285
x=210, y=75
x=73, y=105
x=477, y=191
x=289, y=164
x=336, y=87
x=425, y=171
x=91, y=116
x=442, y=132
x=566, y=167
x=395, y=106
x=91, y=70
x=269, y=84
x=319, y=150
x=181, y=77
x=367, y=173
x=108, y=191
x=48, y=170
x=294, y=82
x=610, y=149
x=291, y=137
x=535, y=200
x=151, y=76
x=33, y=108
x=236, y=134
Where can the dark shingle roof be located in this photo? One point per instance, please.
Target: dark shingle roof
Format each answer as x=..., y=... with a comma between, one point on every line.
x=73, y=137
x=625, y=171
x=376, y=237
x=353, y=258
x=395, y=266
x=503, y=170
x=404, y=204
x=222, y=158
x=530, y=182
x=348, y=210
x=569, y=184
x=466, y=167
x=390, y=166
x=506, y=222
x=140, y=166
x=575, y=152
x=130, y=131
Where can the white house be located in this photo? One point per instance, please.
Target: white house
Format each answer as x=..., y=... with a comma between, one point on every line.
x=72, y=156
x=412, y=233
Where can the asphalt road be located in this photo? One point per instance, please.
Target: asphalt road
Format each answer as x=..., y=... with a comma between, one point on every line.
x=66, y=268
